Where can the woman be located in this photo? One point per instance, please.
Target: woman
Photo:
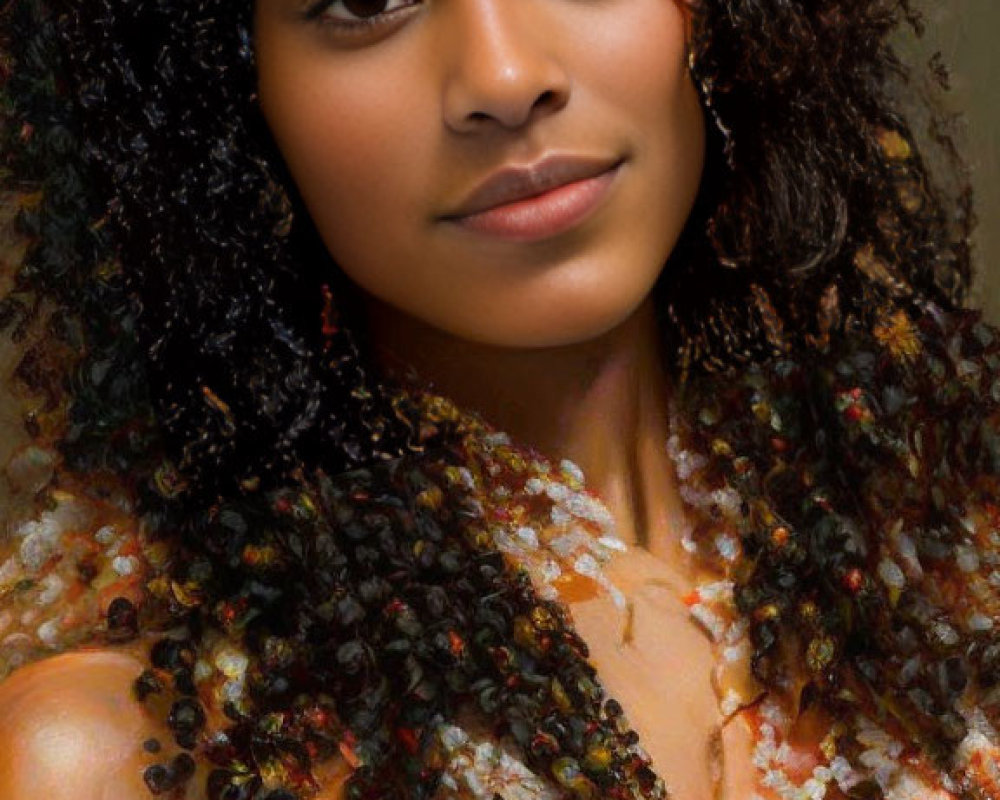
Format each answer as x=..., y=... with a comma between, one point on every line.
x=309, y=574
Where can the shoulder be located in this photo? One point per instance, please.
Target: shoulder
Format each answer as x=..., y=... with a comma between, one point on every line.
x=72, y=730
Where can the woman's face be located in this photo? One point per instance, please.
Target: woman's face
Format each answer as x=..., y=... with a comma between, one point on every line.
x=392, y=115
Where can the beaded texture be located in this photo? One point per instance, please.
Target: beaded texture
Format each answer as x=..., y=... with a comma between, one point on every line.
x=841, y=482
x=359, y=563
x=84, y=568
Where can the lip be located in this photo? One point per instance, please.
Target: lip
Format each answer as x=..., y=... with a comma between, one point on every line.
x=537, y=200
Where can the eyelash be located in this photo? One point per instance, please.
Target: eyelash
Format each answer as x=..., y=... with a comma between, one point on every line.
x=353, y=27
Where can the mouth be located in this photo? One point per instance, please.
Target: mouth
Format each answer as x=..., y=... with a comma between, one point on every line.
x=536, y=201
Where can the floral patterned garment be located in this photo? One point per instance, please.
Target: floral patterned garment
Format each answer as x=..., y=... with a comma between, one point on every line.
x=797, y=756
x=71, y=550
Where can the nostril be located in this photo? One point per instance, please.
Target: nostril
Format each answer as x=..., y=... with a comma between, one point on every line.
x=546, y=98
x=506, y=87
x=551, y=99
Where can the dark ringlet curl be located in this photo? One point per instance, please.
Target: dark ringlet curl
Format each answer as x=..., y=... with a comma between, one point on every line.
x=797, y=187
x=800, y=98
x=243, y=385
x=68, y=259
x=815, y=215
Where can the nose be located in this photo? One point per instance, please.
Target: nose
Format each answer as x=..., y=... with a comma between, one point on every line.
x=503, y=68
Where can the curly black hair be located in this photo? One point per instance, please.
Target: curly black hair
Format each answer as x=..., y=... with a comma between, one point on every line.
x=814, y=185
x=802, y=197
x=170, y=211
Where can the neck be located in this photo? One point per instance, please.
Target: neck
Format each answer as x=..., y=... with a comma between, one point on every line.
x=601, y=403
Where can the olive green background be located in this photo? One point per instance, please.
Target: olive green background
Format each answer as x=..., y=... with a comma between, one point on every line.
x=967, y=34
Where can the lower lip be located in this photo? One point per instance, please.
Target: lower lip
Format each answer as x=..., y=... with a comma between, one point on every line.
x=544, y=215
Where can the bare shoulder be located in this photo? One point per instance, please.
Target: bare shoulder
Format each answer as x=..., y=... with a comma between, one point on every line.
x=72, y=730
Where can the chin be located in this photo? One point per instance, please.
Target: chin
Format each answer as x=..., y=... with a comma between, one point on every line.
x=562, y=322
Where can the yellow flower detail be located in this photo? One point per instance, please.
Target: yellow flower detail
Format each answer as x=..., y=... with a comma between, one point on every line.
x=899, y=336
x=894, y=145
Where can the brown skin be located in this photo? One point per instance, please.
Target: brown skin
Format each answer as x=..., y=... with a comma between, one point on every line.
x=553, y=341
x=71, y=730
x=386, y=132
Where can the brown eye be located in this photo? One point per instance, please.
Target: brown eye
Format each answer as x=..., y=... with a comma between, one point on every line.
x=359, y=11
x=366, y=8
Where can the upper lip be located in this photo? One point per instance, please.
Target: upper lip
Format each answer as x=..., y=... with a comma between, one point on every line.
x=519, y=182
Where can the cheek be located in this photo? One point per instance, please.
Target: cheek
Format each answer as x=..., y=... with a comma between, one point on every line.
x=648, y=81
x=636, y=72
x=348, y=141
x=371, y=161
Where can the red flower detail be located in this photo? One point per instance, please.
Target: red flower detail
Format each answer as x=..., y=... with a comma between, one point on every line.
x=854, y=580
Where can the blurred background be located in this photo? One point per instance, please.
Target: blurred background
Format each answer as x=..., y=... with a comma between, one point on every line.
x=967, y=34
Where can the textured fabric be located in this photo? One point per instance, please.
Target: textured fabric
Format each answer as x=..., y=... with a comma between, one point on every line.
x=844, y=491
x=68, y=551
